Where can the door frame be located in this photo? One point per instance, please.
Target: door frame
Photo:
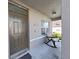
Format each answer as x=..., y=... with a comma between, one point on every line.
x=24, y=51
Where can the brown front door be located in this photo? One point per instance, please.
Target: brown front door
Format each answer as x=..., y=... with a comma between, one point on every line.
x=18, y=29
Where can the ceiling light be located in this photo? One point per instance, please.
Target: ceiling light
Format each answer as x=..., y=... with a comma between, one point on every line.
x=53, y=12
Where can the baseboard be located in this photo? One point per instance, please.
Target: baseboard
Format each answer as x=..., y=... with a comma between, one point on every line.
x=19, y=54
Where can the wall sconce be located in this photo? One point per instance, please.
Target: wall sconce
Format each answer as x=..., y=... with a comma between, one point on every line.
x=53, y=13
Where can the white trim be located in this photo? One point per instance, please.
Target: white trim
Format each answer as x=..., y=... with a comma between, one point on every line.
x=19, y=54
x=37, y=38
x=19, y=5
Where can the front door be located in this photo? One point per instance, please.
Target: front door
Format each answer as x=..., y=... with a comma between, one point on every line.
x=18, y=29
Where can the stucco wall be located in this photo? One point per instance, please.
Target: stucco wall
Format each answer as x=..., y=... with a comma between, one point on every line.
x=35, y=23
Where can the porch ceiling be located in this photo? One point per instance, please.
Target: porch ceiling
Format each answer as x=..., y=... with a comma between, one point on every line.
x=45, y=6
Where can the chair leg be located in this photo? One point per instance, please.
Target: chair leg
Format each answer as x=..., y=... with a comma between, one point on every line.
x=54, y=44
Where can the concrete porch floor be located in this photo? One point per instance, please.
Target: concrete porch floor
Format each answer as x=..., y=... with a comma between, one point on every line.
x=46, y=52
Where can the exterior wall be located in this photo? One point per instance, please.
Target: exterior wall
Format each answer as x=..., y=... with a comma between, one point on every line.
x=35, y=23
x=57, y=29
x=57, y=26
x=57, y=23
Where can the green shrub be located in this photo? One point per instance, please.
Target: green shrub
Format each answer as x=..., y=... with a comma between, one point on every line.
x=57, y=35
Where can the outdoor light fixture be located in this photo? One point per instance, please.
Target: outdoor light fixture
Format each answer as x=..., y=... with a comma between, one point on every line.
x=53, y=13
